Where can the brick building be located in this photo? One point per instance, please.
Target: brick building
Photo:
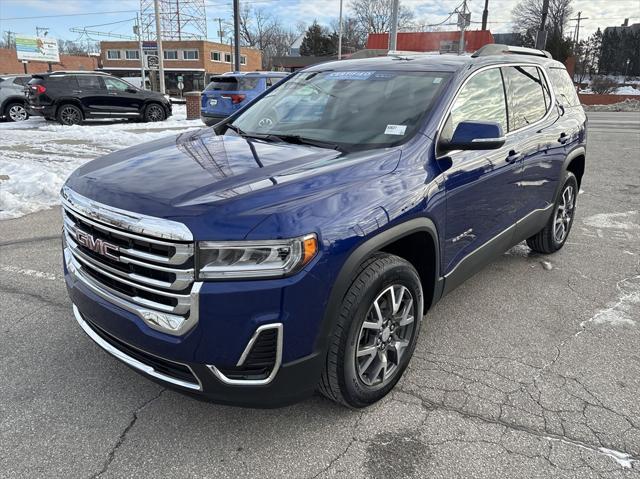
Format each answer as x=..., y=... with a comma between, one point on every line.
x=193, y=60
x=9, y=63
x=444, y=42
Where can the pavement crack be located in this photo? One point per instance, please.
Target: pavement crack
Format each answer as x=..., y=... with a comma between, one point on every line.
x=123, y=435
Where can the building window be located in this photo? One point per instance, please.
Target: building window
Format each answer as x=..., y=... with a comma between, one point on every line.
x=132, y=54
x=243, y=59
x=171, y=54
x=190, y=54
x=216, y=56
x=113, y=54
x=227, y=57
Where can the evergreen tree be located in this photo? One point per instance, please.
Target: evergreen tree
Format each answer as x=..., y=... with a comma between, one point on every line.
x=318, y=42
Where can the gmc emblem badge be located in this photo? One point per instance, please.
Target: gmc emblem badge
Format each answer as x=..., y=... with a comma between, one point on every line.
x=97, y=245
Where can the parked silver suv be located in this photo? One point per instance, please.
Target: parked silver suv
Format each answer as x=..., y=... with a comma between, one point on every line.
x=12, y=99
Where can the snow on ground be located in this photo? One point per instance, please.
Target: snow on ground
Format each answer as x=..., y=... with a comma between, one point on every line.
x=621, y=90
x=37, y=156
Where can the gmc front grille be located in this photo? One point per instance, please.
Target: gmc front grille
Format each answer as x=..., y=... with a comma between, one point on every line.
x=142, y=271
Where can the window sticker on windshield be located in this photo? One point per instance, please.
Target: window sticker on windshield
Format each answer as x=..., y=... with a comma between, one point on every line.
x=349, y=75
x=395, y=129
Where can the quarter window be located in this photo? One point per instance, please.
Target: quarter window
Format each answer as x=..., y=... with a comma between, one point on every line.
x=525, y=96
x=132, y=54
x=190, y=54
x=89, y=82
x=563, y=86
x=480, y=99
x=113, y=54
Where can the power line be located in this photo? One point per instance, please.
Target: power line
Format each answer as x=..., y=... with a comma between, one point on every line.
x=67, y=15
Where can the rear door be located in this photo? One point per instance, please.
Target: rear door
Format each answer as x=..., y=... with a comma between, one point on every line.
x=481, y=193
x=91, y=92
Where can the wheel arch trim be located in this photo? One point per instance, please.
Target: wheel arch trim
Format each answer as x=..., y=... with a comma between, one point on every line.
x=364, y=250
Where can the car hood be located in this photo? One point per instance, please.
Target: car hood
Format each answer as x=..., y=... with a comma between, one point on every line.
x=215, y=183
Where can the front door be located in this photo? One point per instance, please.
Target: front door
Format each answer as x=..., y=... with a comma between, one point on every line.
x=482, y=196
x=122, y=97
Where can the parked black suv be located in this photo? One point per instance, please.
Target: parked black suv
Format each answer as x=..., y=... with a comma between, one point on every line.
x=71, y=97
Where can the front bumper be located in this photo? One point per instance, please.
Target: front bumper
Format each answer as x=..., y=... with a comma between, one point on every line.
x=229, y=316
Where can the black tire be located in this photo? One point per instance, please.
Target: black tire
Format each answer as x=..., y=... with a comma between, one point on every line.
x=16, y=111
x=342, y=380
x=549, y=240
x=154, y=112
x=69, y=114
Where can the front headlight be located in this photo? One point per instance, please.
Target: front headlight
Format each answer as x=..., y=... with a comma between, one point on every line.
x=254, y=259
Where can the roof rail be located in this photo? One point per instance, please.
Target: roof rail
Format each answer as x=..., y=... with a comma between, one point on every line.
x=500, y=49
x=68, y=72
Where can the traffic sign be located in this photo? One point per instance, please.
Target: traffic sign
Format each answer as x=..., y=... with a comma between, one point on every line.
x=180, y=78
x=153, y=62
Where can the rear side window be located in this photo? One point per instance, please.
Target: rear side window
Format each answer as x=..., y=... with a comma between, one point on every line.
x=21, y=80
x=229, y=83
x=89, y=82
x=480, y=99
x=563, y=86
x=526, y=99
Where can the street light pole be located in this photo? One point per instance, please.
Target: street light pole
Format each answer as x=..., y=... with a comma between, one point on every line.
x=393, y=30
x=138, y=31
x=156, y=6
x=340, y=34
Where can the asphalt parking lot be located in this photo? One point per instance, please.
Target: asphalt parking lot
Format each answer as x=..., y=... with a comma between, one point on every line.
x=529, y=369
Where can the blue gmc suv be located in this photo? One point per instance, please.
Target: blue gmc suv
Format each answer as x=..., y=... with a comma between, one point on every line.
x=296, y=246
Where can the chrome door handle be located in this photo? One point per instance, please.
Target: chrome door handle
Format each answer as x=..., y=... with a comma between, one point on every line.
x=513, y=156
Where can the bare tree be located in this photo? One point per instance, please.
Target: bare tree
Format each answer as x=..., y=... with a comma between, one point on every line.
x=374, y=16
x=353, y=38
x=527, y=15
x=259, y=29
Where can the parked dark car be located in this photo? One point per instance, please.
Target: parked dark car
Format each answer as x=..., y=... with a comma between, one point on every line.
x=13, y=105
x=225, y=94
x=296, y=246
x=72, y=97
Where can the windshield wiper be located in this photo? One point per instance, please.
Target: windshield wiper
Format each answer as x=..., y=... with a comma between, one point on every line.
x=301, y=140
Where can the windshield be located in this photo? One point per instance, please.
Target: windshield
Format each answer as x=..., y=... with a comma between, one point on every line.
x=363, y=109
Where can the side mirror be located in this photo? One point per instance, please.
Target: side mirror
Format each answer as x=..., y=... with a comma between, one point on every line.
x=476, y=135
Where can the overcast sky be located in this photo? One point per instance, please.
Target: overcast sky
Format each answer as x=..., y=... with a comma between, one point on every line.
x=600, y=13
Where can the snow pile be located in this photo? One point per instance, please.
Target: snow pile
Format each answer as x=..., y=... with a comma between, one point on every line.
x=627, y=90
x=37, y=156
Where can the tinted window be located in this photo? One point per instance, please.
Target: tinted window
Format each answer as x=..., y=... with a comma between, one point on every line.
x=230, y=83
x=21, y=80
x=481, y=99
x=563, y=87
x=525, y=96
x=89, y=82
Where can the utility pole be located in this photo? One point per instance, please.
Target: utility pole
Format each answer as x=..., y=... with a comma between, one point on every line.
x=236, y=32
x=462, y=20
x=340, y=33
x=485, y=14
x=393, y=28
x=137, y=29
x=156, y=7
x=220, y=31
x=42, y=29
x=579, y=19
x=11, y=38
x=541, y=37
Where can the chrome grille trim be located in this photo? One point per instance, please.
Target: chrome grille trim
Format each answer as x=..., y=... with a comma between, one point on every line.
x=183, y=277
x=164, y=296
x=125, y=220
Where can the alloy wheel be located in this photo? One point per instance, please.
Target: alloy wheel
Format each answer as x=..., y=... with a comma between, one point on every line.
x=70, y=115
x=155, y=113
x=17, y=113
x=564, y=214
x=385, y=335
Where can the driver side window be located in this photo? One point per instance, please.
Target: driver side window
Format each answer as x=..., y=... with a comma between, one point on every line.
x=115, y=85
x=481, y=99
